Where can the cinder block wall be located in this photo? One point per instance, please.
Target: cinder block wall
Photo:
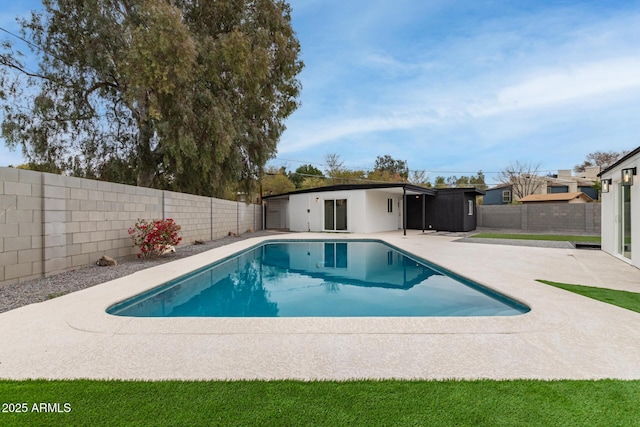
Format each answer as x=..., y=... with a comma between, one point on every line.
x=224, y=217
x=192, y=213
x=250, y=217
x=569, y=217
x=85, y=219
x=21, y=225
x=507, y=216
x=52, y=223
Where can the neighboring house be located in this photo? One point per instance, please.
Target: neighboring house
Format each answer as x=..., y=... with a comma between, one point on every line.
x=370, y=208
x=499, y=195
x=577, y=197
x=562, y=182
x=621, y=208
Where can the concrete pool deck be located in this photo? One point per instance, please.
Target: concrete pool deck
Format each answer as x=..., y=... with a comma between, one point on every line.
x=564, y=336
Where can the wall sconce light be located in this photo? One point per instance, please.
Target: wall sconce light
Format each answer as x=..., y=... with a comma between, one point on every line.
x=627, y=176
x=606, y=183
x=317, y=199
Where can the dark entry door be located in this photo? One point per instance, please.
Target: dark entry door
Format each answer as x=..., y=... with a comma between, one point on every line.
x=414, y=212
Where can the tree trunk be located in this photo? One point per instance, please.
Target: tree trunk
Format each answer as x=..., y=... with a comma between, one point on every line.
x=146, y=165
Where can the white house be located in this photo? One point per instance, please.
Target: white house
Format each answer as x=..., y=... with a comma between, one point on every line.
x=371, y=208
x=621, y=208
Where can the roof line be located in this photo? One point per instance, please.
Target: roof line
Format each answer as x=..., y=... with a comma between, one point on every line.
x=619, y=161
x=405, y=185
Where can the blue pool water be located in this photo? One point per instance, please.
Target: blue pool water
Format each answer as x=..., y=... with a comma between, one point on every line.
x=319, y=278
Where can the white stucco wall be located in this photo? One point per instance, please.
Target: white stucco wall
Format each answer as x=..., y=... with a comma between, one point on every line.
x=377, y=218
x=299, y=218
x=366, y=210
x=611, y=212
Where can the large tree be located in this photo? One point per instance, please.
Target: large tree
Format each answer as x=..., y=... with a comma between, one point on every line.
x=275, y=181
x=303, y=172
x=389, y=169
x=176, y=94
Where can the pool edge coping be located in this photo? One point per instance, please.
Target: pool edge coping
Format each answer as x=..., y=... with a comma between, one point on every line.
x=91, y=315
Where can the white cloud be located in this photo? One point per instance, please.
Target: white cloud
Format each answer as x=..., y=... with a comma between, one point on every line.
x=546, y=93
x=309, y=134
x=570, y=85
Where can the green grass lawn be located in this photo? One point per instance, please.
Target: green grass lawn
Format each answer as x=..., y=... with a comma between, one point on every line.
x=295, y=403
x=554, y=237
x=624, y=299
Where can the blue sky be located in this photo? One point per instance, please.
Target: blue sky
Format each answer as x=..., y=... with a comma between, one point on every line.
x=454, y=87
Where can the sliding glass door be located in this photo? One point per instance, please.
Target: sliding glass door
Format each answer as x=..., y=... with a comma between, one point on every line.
x=335, y=215
x=624, y=225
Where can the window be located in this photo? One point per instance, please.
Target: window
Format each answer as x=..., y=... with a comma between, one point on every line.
x=506, y=196
x=470, y=207
x=390, y=205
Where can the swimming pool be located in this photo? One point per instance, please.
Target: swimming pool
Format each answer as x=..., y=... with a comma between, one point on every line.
x=311, y=278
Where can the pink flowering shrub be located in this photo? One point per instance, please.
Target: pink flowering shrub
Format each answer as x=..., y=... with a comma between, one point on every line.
x=154, y=237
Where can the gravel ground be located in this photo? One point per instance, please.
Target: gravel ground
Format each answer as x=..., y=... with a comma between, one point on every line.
x=42, y=289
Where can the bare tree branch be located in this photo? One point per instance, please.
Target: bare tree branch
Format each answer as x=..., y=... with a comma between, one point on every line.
x=522, y=177
x=4, y=61
x=600, y=158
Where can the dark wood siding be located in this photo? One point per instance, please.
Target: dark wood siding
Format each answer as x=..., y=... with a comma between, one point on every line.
x=443, y=212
